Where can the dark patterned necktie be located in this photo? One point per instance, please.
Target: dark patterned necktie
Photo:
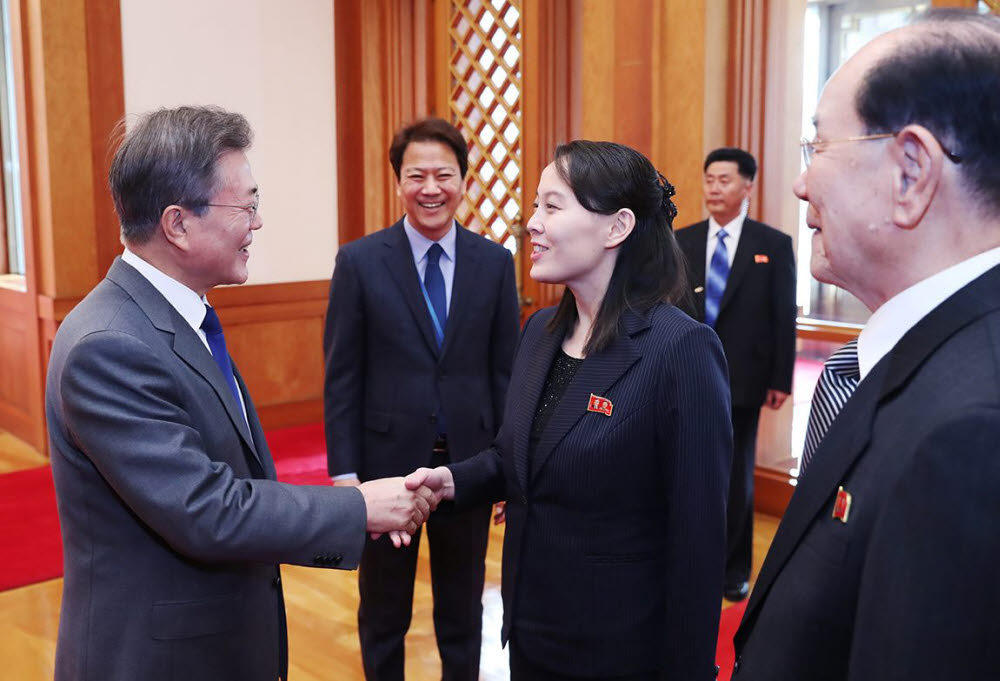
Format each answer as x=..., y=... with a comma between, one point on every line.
x=835, y=386
x=434, y=283
x=715, y=283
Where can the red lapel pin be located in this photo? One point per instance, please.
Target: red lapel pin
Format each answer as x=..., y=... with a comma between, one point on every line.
x=761, y=258
x=842, y=506
x=601, y=405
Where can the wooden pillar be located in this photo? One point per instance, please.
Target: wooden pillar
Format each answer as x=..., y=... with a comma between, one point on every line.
x=70, y=94
x=642, y=68
x=384, y=56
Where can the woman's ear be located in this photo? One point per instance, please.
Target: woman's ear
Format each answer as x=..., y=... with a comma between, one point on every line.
x=621, y=227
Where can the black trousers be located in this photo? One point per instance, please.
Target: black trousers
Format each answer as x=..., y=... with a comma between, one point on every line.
x=458, y=542
x=524, y=669
x=739, y=521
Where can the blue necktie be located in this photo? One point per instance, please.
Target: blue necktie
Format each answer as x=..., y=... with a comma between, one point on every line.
x=434, y=283
x=217, y=342
x=836, y=384
x=715, y=282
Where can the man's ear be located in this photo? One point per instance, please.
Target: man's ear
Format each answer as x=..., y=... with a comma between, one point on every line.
x=173, y=227
x=621, y=227
x=919, y=163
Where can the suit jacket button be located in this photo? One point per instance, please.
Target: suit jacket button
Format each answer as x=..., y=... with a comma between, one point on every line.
x=318, y=559
x=336, y=559
x=736, y=667
x=277, y=582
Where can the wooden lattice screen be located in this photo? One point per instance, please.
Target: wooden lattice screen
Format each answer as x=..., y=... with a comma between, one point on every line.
x=485, y=102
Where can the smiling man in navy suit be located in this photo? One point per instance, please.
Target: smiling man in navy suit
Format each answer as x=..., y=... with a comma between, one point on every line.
x=743, y=277
x=884, y=565
x=420, y=336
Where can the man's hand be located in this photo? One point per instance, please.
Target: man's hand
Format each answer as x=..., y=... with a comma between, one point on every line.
x=392, y=506
x=438, y=481
x=775, y=398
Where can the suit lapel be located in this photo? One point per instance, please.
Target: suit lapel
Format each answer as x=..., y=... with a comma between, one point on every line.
x=463, y=289
x=596, y=375
x=540, y=353
x=186, y=343
x=398, y=259
x=696, y=265
x=847, y=438
x=745, y=249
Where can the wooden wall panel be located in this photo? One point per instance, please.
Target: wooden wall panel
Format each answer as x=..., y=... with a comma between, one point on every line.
x=20, y=393
x=275, y=334
x=637, y=59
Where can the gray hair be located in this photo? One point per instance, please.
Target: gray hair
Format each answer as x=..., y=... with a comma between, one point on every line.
x=170, y=157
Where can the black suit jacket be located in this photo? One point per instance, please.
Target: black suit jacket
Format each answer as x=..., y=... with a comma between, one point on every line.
x=172, y=521
x=907, y=587
x=756, y=321
x=614, y=548
x=386, y=378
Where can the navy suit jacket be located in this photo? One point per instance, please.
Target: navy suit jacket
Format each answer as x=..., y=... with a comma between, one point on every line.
x=756, y=321
x=386, y=378
x=907, y=587
x=614, y=547
x=172, y=522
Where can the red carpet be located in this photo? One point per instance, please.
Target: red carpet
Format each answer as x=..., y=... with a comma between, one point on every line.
x=29, y=528
x=728, y=624
x=29, y=524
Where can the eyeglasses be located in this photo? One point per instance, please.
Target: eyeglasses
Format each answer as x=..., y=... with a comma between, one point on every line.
x=809, y=147
x=250, y=208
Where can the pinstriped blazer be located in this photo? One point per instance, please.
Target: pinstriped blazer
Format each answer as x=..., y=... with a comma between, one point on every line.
x=614, y=547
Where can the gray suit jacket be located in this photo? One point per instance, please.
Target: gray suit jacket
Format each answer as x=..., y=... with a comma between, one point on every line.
x=172, y=521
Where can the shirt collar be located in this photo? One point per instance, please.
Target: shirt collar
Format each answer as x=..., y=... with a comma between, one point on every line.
x=733, y=229
x=419, y=243
x=188, y=304
x=901, y=313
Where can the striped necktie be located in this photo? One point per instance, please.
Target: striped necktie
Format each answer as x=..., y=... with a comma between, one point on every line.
x=715, y=282
x=836, y=384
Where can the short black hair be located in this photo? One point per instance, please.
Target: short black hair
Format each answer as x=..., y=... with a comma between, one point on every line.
x=169, y=157
x=606, y=177
x=429, y=130
x=948, y=81
x=745, y=162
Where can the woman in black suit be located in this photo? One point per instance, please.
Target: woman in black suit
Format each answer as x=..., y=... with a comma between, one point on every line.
x=615, y=448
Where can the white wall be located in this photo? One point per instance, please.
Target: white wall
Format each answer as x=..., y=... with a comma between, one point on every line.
x=274, y=63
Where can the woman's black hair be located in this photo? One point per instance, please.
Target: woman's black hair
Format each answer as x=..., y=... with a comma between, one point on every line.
x=606, y=177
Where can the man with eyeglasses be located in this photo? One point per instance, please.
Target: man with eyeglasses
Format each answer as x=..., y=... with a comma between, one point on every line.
x=885, y=563
x=742, y=274
x=173, y=524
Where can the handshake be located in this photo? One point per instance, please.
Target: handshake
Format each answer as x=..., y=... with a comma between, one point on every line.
x=399, y=506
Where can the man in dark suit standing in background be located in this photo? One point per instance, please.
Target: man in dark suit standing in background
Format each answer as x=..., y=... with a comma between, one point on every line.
x=420, y=336
x=885, y=563
x=743, y=278
x=172, y=521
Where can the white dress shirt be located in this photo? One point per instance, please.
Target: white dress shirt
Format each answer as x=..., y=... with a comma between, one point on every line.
x=901, y=313
x=733, y=230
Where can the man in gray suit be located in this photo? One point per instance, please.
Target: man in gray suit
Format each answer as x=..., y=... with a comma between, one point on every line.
x=172, y=521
